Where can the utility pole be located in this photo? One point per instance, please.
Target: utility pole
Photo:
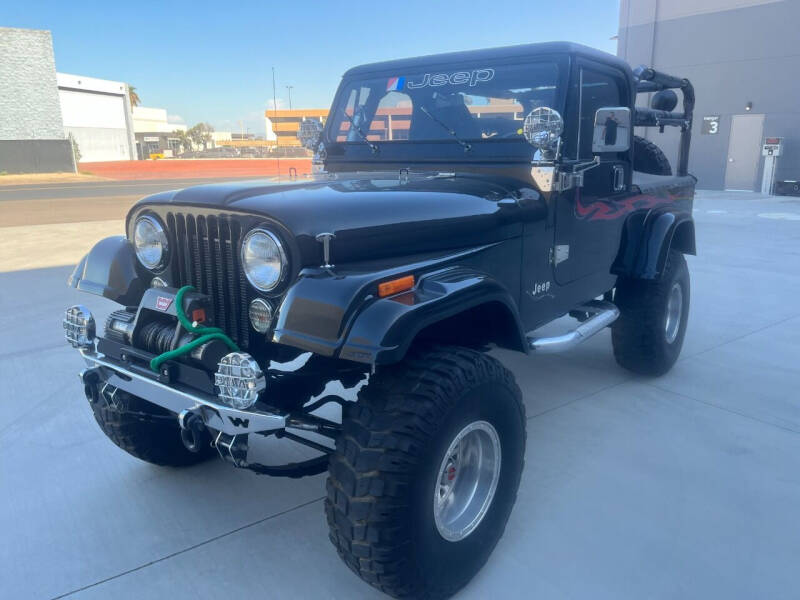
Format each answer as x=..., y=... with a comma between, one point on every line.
x=275, y=110
x=289, y=87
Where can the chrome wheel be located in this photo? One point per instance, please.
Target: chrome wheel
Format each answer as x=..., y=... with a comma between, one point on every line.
x=674, y=312
x=467, y=481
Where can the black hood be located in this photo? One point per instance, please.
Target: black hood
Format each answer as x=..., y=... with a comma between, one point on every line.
x=371, y=217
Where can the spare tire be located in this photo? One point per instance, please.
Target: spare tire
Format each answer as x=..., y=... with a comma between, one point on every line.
x=648, y=158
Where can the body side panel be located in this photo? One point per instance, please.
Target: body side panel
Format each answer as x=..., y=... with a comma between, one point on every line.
x=652, y=221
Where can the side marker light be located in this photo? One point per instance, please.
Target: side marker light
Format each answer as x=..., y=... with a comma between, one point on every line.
x=395, y=286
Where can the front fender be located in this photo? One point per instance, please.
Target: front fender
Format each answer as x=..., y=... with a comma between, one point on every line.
x=111, y=270
x=339, y=314
x=385, y=328
x=647, y=239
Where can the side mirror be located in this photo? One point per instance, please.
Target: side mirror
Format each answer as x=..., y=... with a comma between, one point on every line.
x=309, y=133
x=612, y=130
x=542, y=128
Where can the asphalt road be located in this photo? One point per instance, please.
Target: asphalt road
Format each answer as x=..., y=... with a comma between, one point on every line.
x=81, y=202
x=91, y=189
x=685, y=486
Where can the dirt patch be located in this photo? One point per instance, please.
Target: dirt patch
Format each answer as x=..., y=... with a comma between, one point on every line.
x=33, y=178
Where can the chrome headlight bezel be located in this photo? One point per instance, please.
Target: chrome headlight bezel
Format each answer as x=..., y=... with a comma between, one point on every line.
x=159, y=236
x=247, y=267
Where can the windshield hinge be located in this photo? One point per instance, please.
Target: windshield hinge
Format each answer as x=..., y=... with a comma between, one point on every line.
x=567, y=181
x=559, y=254
x=553, y=178
x=403, y=177
x=574, y=177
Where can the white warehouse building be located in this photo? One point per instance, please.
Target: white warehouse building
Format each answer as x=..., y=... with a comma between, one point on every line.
x=97, y=113
x=154, y=133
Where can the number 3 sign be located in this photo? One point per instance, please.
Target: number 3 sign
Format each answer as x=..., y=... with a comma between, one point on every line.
x=710, y=125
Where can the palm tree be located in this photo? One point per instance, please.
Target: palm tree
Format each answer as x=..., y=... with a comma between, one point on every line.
x=183, y=139
x=133, y=96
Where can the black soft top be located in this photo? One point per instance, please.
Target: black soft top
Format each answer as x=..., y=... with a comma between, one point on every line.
x=490, y=54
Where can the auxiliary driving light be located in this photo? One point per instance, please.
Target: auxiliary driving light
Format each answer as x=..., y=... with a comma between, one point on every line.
x=260, y=313
x=239, y=380
x=79, y=327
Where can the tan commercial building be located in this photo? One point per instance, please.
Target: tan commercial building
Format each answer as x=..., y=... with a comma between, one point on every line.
x=283, y=124
x=391, y=123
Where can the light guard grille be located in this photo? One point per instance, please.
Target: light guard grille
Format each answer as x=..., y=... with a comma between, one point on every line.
x=79, y=327
x=239, y=380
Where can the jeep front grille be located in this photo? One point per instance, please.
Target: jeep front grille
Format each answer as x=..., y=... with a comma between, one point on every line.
x=206, y=256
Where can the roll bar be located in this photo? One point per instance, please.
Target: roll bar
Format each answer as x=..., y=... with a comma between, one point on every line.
x=650, y=80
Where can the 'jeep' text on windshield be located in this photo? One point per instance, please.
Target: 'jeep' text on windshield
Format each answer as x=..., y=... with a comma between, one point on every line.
x=472, y=78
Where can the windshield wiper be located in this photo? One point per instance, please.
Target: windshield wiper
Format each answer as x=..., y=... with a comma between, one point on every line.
x=467, y=146
x=360, y=133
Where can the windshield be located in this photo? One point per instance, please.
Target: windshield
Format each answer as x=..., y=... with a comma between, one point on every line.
x=478, y=103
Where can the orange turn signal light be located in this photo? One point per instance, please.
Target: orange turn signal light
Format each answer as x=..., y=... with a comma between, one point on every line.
x=395, y=286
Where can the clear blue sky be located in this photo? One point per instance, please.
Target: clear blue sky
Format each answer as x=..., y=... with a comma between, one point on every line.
x=211, y=61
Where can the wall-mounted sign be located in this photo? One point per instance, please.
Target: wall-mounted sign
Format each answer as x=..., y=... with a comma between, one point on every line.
x=151, y=138
x=772, y=147
x=710, y=125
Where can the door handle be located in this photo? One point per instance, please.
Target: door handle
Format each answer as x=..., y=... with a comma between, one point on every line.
x=619, y=178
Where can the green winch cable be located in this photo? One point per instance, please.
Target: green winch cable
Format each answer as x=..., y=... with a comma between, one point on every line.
x=206, y=334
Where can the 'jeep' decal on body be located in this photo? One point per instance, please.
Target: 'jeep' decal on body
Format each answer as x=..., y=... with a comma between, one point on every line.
x=471, y=78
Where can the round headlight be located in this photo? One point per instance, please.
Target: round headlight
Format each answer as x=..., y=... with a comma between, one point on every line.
x=263, y=259
x=150, y=242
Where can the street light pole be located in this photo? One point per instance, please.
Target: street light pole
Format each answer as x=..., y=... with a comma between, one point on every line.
x=289, y=87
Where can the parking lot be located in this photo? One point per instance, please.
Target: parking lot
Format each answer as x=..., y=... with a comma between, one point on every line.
x=685, y=486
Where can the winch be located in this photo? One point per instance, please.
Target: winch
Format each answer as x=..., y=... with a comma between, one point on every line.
x=156, y=327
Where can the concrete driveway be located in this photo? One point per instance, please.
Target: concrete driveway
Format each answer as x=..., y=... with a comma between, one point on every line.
x=685, y=486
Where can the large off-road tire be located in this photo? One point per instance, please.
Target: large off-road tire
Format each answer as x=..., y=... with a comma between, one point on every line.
x=144, y=430
x=648, y=158
x=412, y=440
x=648, y=335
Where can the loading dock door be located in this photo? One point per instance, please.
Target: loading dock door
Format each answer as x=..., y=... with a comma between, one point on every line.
x=744, y=152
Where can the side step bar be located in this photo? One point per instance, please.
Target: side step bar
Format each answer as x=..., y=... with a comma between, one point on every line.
x=599, y=314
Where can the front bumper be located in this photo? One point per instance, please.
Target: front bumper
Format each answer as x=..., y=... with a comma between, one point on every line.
x=177, y=399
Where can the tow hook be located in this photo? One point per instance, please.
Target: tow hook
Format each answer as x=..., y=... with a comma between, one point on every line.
x=89, y=378
x=194, y=434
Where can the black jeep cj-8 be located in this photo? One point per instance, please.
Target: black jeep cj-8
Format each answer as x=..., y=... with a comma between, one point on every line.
x=463, y=200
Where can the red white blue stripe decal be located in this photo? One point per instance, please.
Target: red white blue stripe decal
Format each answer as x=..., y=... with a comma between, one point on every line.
x=395, y=83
